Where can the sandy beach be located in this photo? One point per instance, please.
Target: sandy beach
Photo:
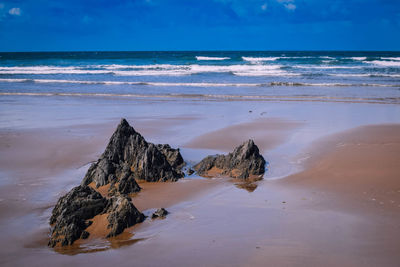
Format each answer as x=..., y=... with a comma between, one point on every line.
x=330, y=194
x=213, y=133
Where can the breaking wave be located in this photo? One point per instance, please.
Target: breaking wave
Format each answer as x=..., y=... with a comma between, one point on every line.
x=212, y=58
x=260, y=59
x=153, y=70
x=386, y=63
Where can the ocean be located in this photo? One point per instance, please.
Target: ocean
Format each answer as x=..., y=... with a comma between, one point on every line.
x=226, y=75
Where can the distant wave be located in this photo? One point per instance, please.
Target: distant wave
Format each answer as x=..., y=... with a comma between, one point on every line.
x=386, y=63
x=391, y=58
x=221, y=97
x=153, y=70
x=202, y=84
x=259, y=59
x=365, y=75
x=359, y=58
x=326, y=67
x=251, y=70
x=239, y=70
x=134, y=83
x=50, y=70
x=212, y=58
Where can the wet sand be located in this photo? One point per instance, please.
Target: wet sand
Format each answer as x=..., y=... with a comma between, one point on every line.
x=342, y=210
x=267, y=133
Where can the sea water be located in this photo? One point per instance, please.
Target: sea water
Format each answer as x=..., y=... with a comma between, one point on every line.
x=230, y=75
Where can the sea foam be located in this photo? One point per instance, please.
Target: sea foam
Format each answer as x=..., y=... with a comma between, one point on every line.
x=211, y=58
x=259, y=59
x=386, y=63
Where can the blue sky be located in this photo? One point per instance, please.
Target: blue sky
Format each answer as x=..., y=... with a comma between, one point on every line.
x=70, y=25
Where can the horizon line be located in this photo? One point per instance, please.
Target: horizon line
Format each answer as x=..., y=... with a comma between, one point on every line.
x=125, y=51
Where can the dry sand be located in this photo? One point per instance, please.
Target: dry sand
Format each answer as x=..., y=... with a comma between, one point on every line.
x=361, y=167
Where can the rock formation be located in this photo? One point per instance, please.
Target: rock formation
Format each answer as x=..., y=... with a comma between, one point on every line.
x=160, y=213
x=245, y=162
x=128, y=157
x=71, y=215
x=122, y=214
x=71, y=212
x=172, y=155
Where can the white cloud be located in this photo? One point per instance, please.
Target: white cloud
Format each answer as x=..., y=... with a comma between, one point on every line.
x=264, y=6
x=290, y=6
x=15, y=11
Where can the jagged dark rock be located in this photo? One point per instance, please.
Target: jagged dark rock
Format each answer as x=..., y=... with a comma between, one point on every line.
x=172, y=155
x=71, y=212
x=190, y=171
x=160, y=213
x=122, y=214
x=244, y=162
x=70, y=215
x=85, y=234
x=128, y=157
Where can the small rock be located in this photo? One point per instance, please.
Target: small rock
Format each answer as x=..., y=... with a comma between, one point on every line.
x=244, y=162
x=160, y=213
x=85, y=235
x=122, y=214
x=190, y=171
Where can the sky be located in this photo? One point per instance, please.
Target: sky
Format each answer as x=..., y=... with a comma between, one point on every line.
x=166, y=25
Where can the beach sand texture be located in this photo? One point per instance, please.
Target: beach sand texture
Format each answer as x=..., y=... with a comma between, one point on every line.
x=339, y=205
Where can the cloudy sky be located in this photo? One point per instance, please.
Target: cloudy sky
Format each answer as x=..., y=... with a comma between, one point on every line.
x=66, y=25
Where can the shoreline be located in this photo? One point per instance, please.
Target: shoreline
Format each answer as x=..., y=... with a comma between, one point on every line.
x=214, y=98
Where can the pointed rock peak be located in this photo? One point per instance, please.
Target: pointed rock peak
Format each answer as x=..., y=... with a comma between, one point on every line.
x=248, y=143
x=124, y=129
x=246, y=149
x=123, y=123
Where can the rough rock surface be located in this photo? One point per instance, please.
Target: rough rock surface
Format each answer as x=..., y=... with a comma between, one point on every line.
x=160, y=213
x=244, y=162
x=71, y=212
x=122, y=214
x=172, y=155
x=128, y=157
x=70, y=215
